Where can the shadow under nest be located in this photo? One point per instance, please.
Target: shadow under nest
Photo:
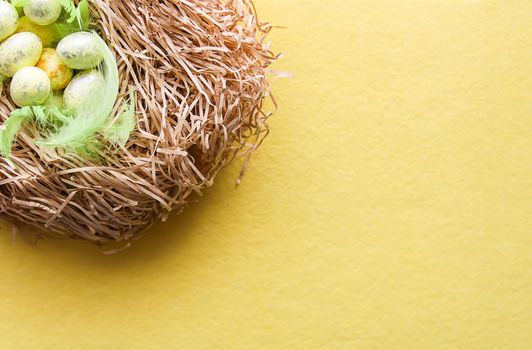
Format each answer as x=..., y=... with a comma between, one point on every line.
x=199, y=72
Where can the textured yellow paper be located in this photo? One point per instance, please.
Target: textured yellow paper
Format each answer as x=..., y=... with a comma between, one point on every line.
x=391, y=208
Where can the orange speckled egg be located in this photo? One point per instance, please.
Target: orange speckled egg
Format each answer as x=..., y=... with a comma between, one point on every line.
x=59, y=74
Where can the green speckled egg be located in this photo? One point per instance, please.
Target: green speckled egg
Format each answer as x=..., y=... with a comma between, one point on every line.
x=8, y=20
x=30, y=86
x=79, y=51
x=18, y=51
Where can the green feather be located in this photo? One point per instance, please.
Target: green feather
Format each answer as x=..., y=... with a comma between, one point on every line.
x=50, y=116
x=19, y=3
x=119, y=132
x=40, y=116
x=83, y=14
x=73, y=18
x=79, y=133
x=11, y=127
x=69, y=7
x=47, y=117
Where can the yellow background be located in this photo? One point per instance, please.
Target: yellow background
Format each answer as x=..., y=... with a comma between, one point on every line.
x=391, y=208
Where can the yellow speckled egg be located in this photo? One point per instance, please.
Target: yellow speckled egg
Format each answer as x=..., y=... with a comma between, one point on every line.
x=45, y=33
x=8, y=19
x=43, y=12
x=18, y=51
x=30, y=86
x=80, y=51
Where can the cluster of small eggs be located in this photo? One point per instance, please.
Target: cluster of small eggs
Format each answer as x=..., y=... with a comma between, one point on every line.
x=38, y=70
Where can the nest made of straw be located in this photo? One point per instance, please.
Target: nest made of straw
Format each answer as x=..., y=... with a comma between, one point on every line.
x=199, y=70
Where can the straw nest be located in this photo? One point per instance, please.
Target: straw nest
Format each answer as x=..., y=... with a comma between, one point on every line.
x=199, y=70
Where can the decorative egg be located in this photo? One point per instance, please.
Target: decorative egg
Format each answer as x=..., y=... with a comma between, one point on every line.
x=80, y=51
x=85, y=89
x=45, y=33
x=59, y=74
x=43, y=12
x=30, y=86
x=18, y=51
x=8, y=19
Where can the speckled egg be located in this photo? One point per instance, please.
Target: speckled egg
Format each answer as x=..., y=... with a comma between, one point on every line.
x=43, y=12
x=45, y=33
x=80, y=51
x=30, y=86
x=18, y=51
x=59, y=74
x=83, y=90
x=8, y=19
